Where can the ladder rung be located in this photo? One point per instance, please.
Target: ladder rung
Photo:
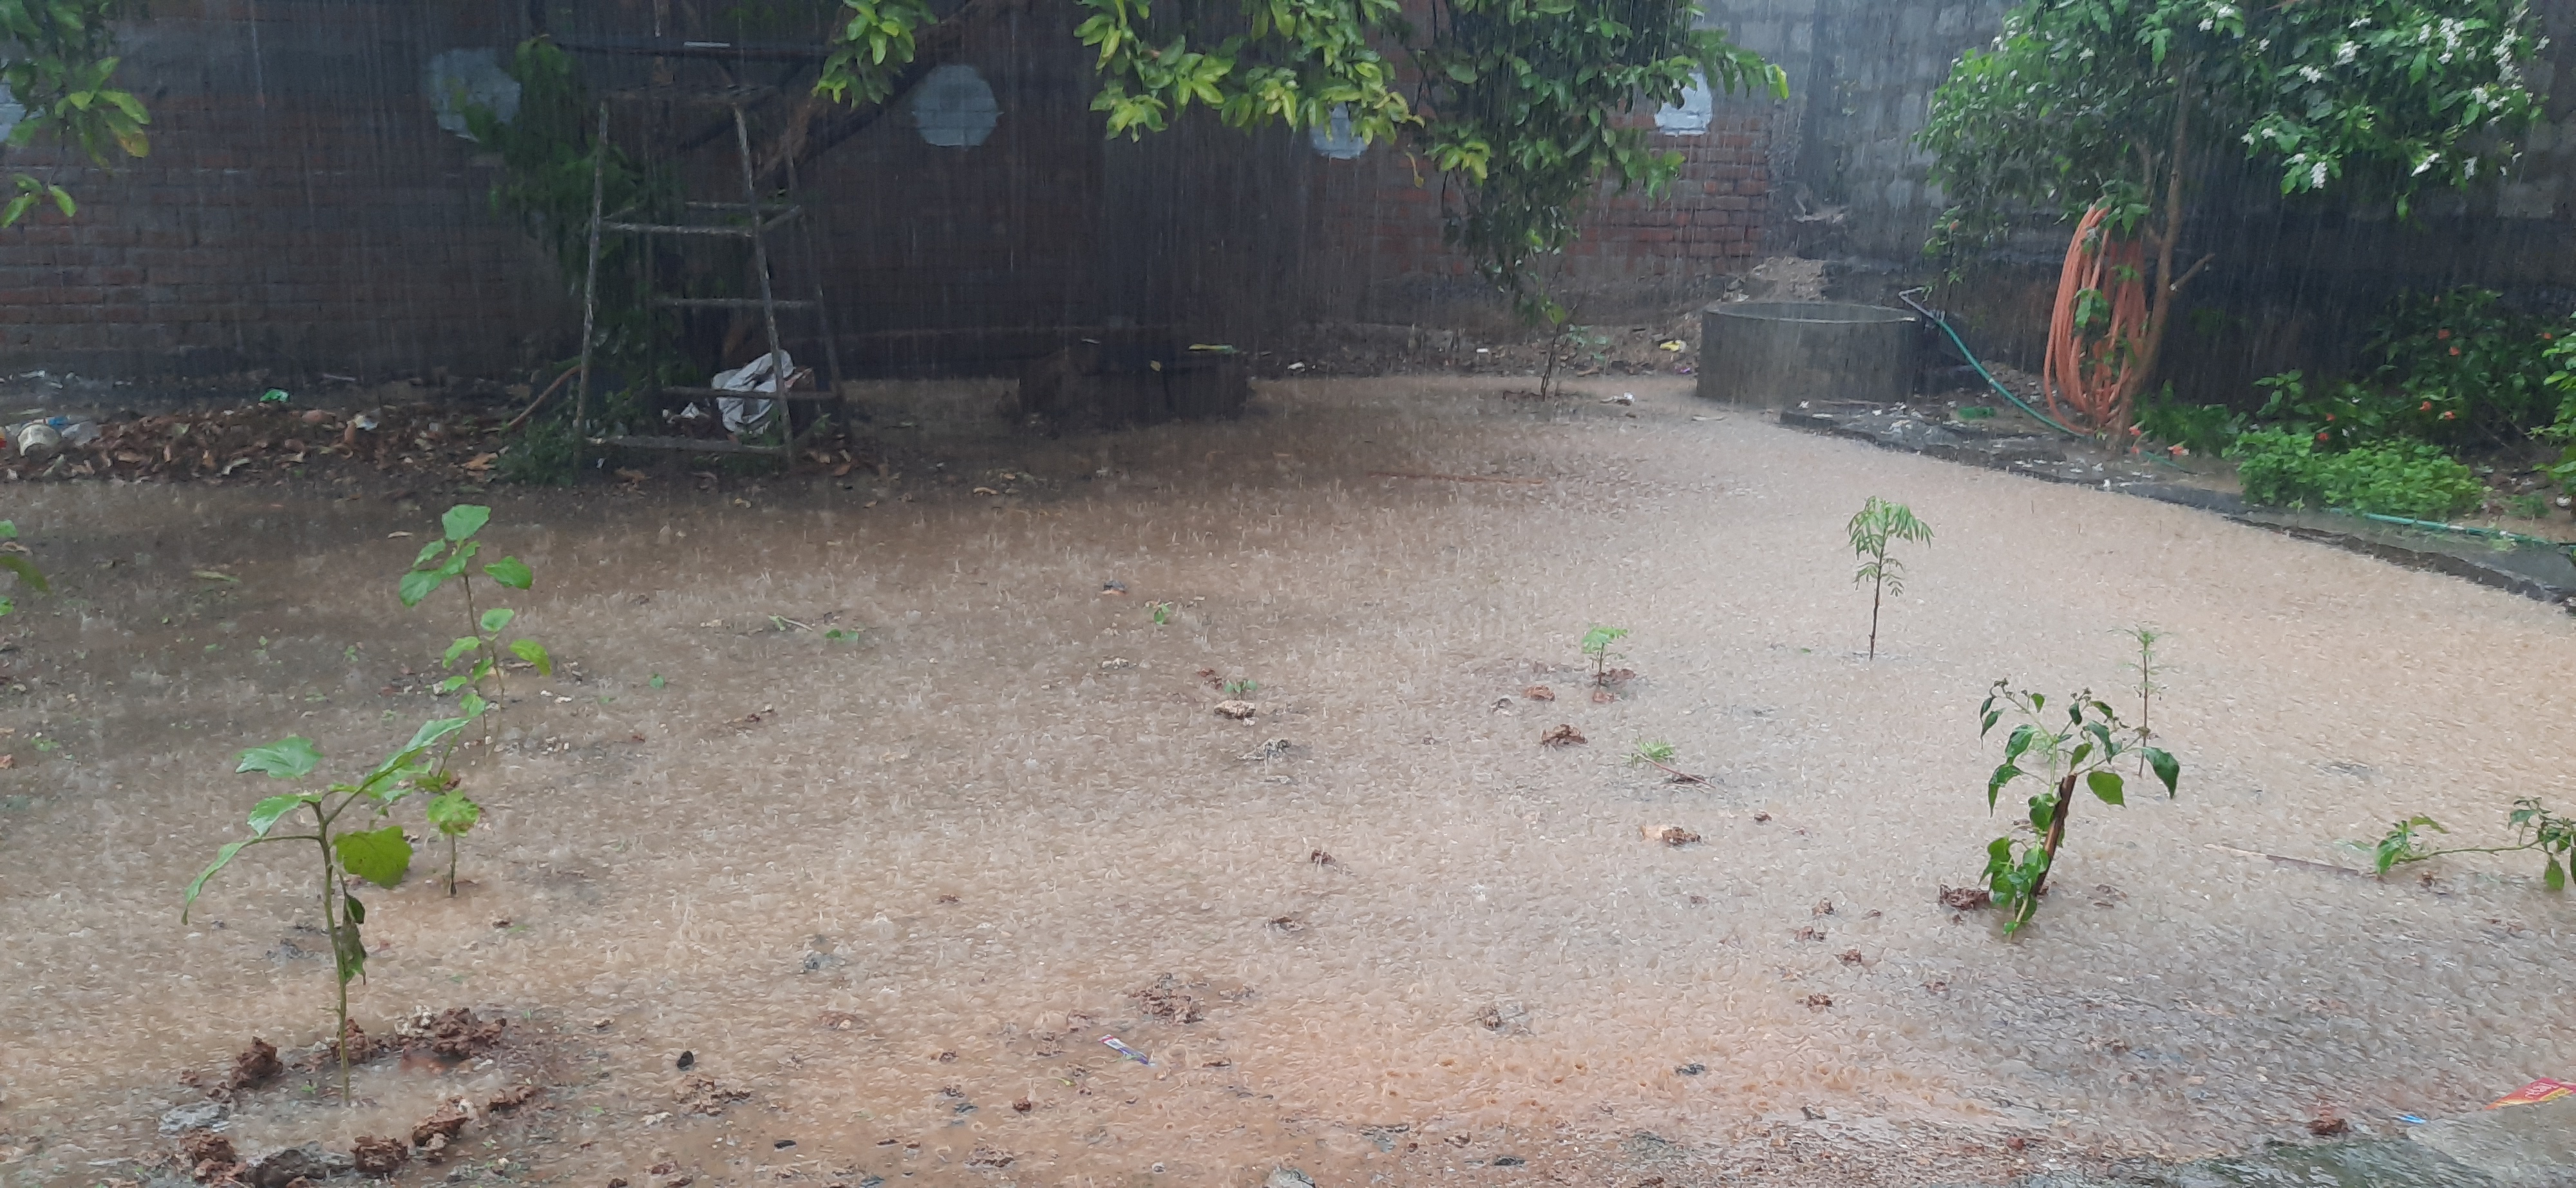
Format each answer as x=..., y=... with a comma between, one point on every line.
x=675, y=229
x=726, y=303
x=691, y=229
x=698, y=445
x=801, y=395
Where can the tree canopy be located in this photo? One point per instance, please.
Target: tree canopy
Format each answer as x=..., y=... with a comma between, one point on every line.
x=58, y=59
x=2124, y=106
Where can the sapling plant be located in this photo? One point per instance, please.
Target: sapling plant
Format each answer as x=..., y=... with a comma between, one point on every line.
x=379, y=855
x=1659, y=754
x=2081, y=750
x=1873, y=528
x=2146, y=638
x=450, y=559
x=2534, y=828
x=1596, y=648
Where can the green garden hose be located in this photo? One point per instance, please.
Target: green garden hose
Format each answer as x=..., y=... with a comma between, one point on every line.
x=1908, y=297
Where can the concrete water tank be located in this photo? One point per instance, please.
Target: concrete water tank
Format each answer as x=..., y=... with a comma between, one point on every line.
x=1773, y=354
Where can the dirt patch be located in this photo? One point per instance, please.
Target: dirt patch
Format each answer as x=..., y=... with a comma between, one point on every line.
x=1677, y=837
x=1171, y=1000
x=376, y=1155
x=452, y=1034
x=708, y=1096
x=1966, y=899
x=1562, y=734
x=446, y=1123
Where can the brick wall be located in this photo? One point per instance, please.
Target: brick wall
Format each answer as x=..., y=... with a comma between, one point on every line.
x=300, y=210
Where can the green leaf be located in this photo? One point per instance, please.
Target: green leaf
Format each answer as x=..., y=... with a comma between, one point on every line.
x=511, y=572
x=26, y=571
x=464, y=520
x=348, y=952
x=380, y=856
x=495, y=619
x=428, y=553
x=463, y=644
x=534, y=653
x=453, y=813
x=2106, y=786
x=354, y=910
x=2167, y=769
x=265, y=815
x=223, y=858
x=2553, y=876
x=2019, y=742
x=2004, y=774
x=472, y=705
x=291, y=758
x=419, y=584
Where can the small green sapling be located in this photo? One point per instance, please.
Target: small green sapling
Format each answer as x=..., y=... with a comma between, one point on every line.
x=2146, y=637
x=2081, y=750
x=2534, y=828
x=380, y=855
x=1596, y=648
x=450, y=558
x=1877, y=524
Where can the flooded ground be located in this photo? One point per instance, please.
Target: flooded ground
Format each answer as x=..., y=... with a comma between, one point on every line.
x=895, y=887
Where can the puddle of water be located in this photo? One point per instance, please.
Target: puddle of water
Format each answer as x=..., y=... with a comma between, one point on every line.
x=923, y=883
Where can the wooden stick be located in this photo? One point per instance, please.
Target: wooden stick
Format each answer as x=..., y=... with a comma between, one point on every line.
x=523, y=416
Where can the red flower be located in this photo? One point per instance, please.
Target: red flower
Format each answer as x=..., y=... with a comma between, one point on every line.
x=2455, y=350
x=2428, y=407
x=2329, y=416
x=2448, y=415
x=2444, y=335
x=2323, y=435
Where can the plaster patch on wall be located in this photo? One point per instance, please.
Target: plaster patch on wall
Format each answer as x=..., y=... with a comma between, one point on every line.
x=1689, y=117
x=1334, y=138
x=463, y=78
x=955, y=107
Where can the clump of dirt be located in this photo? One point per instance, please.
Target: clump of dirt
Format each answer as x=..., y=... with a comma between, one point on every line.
x=376, y=1155
x=210, y=1157
x=254, y=1067
x=2328, y=1124
x=990, y=1158
x=452, y=1034
x=1504, y=1018
x=443, y=1124
x=1240, y=711
x=1966, y=899
x=355, y=1042
x=1170, y=999
x=1818, y=1002
x=708, y=1096
x=1562, y=734
x=1674, y=836
x=1539, y=693
x=511, y=1099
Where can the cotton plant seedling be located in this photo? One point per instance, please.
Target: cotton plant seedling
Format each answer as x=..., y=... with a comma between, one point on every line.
x=1162, y=611
x=1877, y=525
x=2059, y=756
x=451, y=559
x=1240, y=688
x=15, y=561
x=343, y=849
x=1659, y=754
x=2534, y=828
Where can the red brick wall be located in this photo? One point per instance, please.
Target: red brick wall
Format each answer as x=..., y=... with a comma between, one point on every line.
x=300, y=210
x=1376, y=252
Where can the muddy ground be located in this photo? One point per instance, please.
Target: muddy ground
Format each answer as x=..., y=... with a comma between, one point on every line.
x=882, y=797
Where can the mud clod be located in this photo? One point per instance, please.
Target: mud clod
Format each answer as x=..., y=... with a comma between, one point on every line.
x=255, y=1067
x=1539, y=693
x=1818, y=1002
x=210, y=1157
x=445, y=1122
x=1561, y=735
x=513, y=1098
x=376, y=1155
x=1966, y=899
x=1673, y=835
x=1170, y=999
x=708, y=1096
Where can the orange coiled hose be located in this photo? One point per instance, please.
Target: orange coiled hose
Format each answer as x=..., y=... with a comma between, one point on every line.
x=2084, y=373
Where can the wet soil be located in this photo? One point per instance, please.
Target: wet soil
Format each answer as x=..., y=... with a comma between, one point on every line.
x=883, y=797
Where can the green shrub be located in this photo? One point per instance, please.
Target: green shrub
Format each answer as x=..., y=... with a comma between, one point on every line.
x=2458, y=367
x=2397, y=478
x=2205, y=429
